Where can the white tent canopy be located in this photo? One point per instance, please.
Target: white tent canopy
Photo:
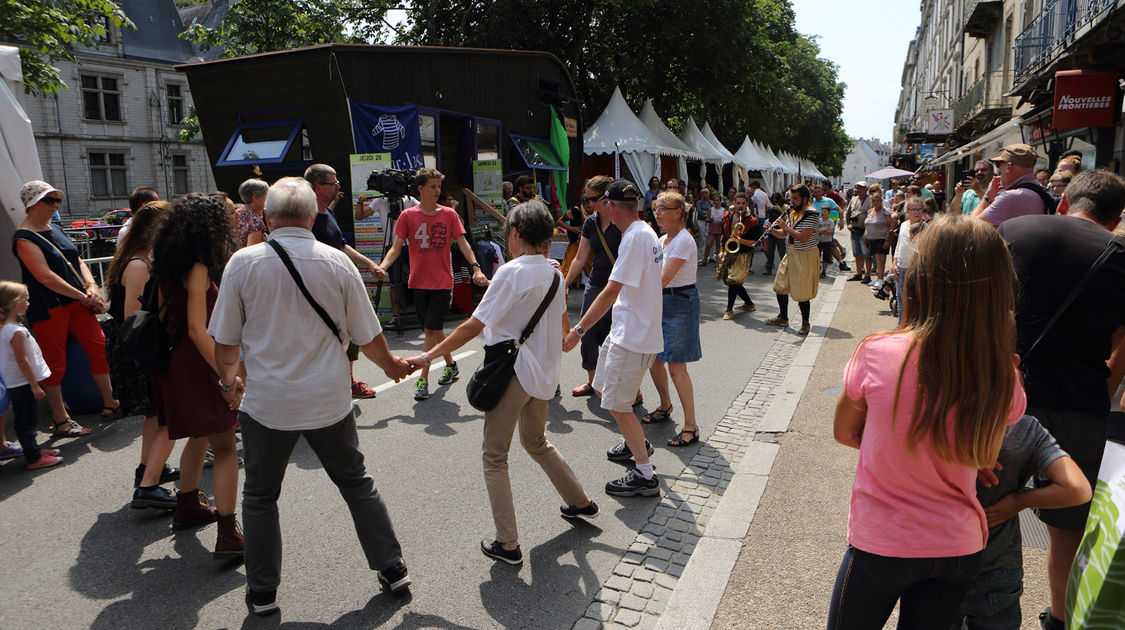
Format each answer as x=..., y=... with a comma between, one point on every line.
x=755, y=160
x=651, y=120
x=19, y=159
x=693, y=137
x=740, y=168
x=619, y=131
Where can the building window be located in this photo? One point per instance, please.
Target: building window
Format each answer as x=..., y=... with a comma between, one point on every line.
x=179, y=174
x=101, y=98
x=175, y=103
x=107, y=175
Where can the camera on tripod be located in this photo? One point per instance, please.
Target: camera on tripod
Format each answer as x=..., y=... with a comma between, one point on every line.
x=391, y=183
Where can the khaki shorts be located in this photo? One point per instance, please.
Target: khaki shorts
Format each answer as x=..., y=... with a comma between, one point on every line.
x=619, y=375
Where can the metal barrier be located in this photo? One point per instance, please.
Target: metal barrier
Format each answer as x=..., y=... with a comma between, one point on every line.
x=1053, y=29
x=99, y=267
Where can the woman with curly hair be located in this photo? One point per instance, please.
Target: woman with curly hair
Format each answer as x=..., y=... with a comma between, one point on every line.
x=128, y=283
x=190, y=251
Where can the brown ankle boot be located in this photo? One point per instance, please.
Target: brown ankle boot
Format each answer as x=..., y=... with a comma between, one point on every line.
x=229, y=543
x=192, y=510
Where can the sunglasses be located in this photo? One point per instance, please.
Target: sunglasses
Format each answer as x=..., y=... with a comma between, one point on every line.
x=590, y=199
x=54, y=201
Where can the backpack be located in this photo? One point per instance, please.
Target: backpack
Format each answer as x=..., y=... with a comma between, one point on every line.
x=144, y=336
x=1050, y=203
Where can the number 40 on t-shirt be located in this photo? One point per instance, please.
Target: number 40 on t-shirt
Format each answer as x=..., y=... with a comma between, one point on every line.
x=422, y=235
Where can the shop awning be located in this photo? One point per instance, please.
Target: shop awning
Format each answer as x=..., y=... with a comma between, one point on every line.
x=537, y=153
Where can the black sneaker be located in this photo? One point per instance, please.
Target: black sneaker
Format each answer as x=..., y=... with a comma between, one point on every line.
x=857, y=276
x=167, y=475
x=395, y=577
x=621, y=452
x=632, y=484
x=262, y=604
x=449, y=374
x=865, y=280
x=153, y=497
x=1047, y=621
x=496, y=551
x=589, y=512
x=844, y=267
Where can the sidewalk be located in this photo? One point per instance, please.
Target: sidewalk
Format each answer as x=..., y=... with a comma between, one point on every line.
x=787, y=560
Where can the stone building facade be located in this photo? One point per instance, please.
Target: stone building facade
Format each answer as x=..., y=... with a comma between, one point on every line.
x=116, y=126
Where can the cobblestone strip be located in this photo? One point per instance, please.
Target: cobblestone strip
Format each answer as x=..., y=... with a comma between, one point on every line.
x=643, y=580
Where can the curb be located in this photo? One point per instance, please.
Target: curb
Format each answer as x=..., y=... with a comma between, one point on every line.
x=696, y=597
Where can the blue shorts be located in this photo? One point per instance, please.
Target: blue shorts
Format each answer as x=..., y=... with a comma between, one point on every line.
x=859, y=248
x=680, y=324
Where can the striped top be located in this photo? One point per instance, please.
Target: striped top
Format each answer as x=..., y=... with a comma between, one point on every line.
x=810, y=221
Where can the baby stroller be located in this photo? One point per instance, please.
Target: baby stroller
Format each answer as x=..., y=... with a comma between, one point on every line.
x=887, y=290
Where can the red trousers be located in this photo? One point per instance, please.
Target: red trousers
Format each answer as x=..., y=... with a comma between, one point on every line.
x=75, y=320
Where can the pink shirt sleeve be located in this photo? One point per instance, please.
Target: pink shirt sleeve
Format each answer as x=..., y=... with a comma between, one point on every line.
x=855, y=373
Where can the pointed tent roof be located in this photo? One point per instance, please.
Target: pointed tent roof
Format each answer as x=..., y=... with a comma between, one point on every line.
x=692, y=137
x=619, y=129
x=768, y=156
x=651, y=120
x=710, y=135
x=781, y=163
x=748, y=157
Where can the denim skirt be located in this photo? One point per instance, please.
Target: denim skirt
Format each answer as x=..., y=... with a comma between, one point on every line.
x=680, y=323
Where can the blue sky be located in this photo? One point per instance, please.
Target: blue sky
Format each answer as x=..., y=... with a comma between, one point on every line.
x=867, y=39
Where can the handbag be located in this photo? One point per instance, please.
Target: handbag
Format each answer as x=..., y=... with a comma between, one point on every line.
x=491, y=378
x=288, y=262
x=144, y=336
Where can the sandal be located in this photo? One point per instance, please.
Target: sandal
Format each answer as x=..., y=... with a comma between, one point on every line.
x=640, y=400
x=680, y=441
x=659, y=415
x=584, y=389
x=73, y=429
x=111, y=413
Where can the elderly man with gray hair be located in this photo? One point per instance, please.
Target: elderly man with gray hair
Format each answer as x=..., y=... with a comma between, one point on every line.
x=307, y=302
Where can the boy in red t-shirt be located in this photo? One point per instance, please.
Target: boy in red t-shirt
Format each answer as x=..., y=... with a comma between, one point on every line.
x=430, y=230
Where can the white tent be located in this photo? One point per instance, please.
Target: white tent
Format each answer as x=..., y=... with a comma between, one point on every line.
x=693, y=137
x=618, y=131
x=755, y=160
x=19, y=159
x=651, y=120
x=739, y=169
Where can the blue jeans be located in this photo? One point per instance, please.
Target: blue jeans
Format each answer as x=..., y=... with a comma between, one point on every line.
x=993, y=601
x=928, y=590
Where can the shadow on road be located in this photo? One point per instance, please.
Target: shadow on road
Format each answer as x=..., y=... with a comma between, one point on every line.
x=166, y=592
x=378, y=611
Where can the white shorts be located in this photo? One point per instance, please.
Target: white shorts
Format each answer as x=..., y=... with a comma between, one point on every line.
x=619, y=375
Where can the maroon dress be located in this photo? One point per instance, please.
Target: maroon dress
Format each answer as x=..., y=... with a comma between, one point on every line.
x=188, y=399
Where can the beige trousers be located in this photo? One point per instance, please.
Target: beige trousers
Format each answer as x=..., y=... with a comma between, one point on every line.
x=518, y=407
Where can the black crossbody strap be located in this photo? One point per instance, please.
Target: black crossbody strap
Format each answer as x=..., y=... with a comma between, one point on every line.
x=1113, y=245
x=304, y=290
x=542, y=308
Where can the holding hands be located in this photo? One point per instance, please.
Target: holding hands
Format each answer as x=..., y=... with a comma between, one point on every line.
x=234, y=396
x=399, y=368
x=570, y=340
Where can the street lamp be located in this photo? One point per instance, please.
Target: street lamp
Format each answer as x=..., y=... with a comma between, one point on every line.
x=929, y=97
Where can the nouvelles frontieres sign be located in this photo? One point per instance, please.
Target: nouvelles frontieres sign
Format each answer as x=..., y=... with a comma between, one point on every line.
x=1085, y=100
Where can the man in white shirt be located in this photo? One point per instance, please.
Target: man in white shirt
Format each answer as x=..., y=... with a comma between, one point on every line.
x=635, y=338
x=299, y=373
x=760, y=200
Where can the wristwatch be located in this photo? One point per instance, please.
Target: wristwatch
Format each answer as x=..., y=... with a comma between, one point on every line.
x=225, y=388
x=475, y=264
x=425, y=357
x=578, y=330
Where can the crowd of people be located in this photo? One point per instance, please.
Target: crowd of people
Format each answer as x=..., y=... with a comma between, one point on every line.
x=219, y=277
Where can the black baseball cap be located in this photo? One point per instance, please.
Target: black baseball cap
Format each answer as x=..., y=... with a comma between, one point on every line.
x=621, y=190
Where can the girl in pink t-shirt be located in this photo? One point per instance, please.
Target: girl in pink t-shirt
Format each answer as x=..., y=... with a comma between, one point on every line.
x=927, y=406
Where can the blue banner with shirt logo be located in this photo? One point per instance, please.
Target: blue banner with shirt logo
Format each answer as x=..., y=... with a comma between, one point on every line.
x=391, y=130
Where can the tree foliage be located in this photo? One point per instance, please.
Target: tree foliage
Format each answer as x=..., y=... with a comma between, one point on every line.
x=50, y=29
x=253, y=26
x=739, y=64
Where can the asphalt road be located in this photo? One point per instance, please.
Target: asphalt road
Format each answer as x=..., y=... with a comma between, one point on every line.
x=78, y=556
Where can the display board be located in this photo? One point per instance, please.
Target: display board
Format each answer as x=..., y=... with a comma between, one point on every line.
x=370, y=233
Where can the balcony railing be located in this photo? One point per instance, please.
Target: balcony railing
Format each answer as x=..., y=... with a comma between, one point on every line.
x=1054, y=28
x=981, y=16
x=986, y=95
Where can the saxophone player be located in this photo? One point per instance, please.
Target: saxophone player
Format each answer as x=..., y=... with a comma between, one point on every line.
x=739, y=215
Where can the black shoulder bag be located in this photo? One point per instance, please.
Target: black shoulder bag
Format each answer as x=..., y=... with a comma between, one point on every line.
x=144, y=336
x=281, y=253
x=490, y=380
